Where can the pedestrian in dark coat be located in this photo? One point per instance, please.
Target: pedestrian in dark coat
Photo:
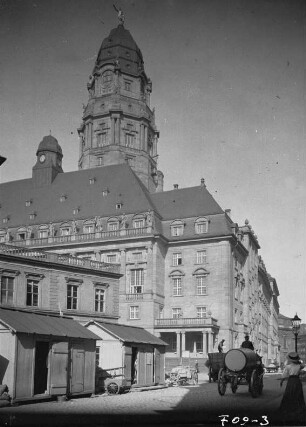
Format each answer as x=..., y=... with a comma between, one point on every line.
x=293, y=408
x=247, y=343
x=221, y=346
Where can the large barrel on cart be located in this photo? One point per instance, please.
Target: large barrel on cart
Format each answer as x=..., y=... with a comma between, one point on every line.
x=241, y=366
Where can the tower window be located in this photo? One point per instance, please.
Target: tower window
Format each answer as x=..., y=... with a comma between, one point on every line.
x=127, y=85
x=129, y=140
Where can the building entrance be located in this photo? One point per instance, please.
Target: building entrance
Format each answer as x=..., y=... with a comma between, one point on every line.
x=41, y=367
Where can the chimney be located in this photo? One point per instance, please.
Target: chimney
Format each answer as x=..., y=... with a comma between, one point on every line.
x=228, y=212
x=175, y=186
x=203, y=182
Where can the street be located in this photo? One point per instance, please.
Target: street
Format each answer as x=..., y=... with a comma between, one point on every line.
x=199, y=405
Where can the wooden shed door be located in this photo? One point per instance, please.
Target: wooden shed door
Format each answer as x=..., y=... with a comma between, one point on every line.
x=58, y=368
x=128, y=364
x=77, y=370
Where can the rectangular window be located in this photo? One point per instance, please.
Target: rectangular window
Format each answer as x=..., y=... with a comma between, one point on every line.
x=100, y=300
x=113, y=226
x=201, y=227
x=32, y=293
x=199, y=344
x=201, y=257
x=177, y=230
x=129, y=140
x=2, y=238
x=65, y=231
x=72, y=297
x=177, y=313
x=201, y=285
x=7, y=290
x=201, y=312
x=102, y=139
x=134, y=312
x=43, y=234
x=111, y=258
x=177, y=259
x=138, y=223
x=177, y=286
x=127, y=85
x=97, y=356
x=137, y=281
x=99, y=161
x=88, y=229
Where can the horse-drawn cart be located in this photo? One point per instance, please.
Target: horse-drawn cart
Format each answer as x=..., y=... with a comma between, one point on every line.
x=215, y=363
x=241, y=366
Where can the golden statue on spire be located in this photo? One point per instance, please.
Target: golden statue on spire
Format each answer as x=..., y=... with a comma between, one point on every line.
x=120, y=14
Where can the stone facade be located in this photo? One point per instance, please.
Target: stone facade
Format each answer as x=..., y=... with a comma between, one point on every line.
x=189, y=273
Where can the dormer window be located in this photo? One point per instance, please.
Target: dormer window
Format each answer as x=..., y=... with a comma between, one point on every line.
x=65, y=230
x=201, y=226
x=63, y=198
x=32, y=215
x=76, y=211
x=177, y=228
x=113, y=225
x=28, y=203
x=138, y=223
x=6, y=220
x=119, y=205
x=105, y=193
x=92, y=181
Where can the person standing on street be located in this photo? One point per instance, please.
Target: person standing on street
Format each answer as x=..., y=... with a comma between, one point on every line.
x=221, y=346
x=293, y=408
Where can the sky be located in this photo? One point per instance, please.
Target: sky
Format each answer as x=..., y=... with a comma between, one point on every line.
x=229, y=85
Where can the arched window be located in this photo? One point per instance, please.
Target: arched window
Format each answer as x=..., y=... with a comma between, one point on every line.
x=201, y=225
x=65, y=229
x=89, y=226
x=112, y=224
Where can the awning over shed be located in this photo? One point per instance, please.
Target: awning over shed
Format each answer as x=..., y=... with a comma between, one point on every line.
x=20, y=321
x=129, y=334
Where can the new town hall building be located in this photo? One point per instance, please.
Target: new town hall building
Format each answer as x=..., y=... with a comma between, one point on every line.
x=189, y=274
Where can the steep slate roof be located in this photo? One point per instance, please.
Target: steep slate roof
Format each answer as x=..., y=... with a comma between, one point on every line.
x=32, y=323
x=119, y=180
x=131, y=334
x=186, y=203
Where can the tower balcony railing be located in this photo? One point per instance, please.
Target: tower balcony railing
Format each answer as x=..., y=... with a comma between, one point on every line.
x=83, y=237
x=186, y=322
x=39, y=255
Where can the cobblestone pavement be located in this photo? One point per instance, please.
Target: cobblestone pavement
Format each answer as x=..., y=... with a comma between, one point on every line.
x=199, y=405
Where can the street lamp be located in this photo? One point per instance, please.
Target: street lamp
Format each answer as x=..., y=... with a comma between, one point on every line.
x=296, y=322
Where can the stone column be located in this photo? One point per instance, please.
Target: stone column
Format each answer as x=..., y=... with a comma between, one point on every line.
x=210, y=342
x=145, y=145
x=122, y=280
x=178, y=344
x=112, y=130
x=183, y=341
x=205, y=348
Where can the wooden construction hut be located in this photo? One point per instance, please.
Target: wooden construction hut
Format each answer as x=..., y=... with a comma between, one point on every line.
x=128, y=356
x=45, y=355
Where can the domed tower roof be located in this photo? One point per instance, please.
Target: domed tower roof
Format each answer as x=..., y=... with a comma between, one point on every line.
x=49, y=143
x=120, y=46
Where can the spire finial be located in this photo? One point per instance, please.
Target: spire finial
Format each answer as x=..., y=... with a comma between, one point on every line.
x=120, y=14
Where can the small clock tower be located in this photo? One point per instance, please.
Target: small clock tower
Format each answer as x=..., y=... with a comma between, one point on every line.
x=49, y=161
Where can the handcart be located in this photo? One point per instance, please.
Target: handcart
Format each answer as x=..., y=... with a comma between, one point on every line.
x=181, y=375
x=215, y=363
x=241, y=366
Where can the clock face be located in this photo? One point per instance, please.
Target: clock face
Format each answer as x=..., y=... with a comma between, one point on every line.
x=42, y=158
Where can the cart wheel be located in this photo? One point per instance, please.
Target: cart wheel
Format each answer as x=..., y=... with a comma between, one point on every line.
x=255, y=384
x=113, y=388
x=182, y=381
x=234, y=385
x=260, y=384
x=221, y=382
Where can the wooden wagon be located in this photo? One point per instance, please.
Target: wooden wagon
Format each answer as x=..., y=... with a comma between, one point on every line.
x=215, y=363
x=241, y=366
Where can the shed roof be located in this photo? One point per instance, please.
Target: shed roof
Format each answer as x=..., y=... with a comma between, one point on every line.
x=20, y=321
x=131, y=334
